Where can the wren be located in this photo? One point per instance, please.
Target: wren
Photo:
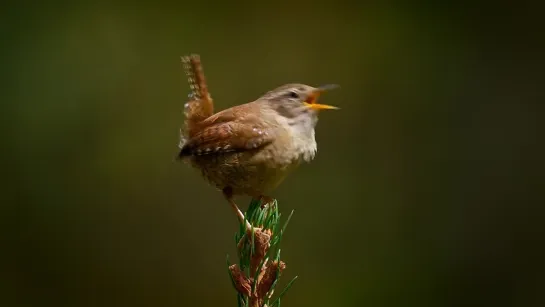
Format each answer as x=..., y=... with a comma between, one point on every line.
x=249, y=149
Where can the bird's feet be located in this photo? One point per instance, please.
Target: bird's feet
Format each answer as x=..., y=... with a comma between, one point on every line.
x=228, y=194
x=264, y=200
x=251, y=231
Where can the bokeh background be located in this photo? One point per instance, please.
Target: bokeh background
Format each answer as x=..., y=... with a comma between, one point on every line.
x=427, y=190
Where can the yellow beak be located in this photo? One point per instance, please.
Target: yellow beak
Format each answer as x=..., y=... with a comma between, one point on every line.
x=313, y=97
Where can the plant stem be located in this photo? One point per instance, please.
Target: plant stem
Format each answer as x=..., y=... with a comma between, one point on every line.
x=256, y=275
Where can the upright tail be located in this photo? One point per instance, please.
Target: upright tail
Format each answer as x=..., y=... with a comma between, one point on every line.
x=200, y=105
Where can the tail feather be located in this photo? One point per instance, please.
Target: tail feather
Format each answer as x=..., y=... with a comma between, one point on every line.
x=200, y=105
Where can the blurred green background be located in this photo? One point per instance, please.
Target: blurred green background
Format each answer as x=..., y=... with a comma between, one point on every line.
x=427, y=190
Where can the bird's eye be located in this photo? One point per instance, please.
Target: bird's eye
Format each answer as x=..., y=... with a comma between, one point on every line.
x=293, y=94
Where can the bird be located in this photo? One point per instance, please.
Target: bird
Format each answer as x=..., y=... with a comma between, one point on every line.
x=249, y=149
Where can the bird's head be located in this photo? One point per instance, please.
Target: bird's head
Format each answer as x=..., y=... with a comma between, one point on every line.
x=298, y=102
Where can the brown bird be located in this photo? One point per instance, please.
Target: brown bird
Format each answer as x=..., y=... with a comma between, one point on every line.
x=249, y=149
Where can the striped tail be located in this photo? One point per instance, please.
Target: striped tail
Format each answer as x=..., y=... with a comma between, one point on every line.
x=200, y=105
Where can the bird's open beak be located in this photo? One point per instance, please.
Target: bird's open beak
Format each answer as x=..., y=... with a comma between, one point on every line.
x=313, y=97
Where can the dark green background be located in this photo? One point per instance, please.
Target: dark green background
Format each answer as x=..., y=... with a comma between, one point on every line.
x=427, y=190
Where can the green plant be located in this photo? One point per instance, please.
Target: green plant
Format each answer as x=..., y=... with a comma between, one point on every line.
x=259, y=269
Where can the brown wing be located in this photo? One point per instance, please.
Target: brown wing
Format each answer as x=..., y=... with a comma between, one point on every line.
x=227, y=131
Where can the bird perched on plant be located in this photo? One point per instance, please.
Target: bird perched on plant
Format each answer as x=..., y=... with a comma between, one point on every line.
x=249, y=149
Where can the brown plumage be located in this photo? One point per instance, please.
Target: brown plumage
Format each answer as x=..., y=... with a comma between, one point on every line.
x=249, y=149
x=227, y=131
x=200, y=105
